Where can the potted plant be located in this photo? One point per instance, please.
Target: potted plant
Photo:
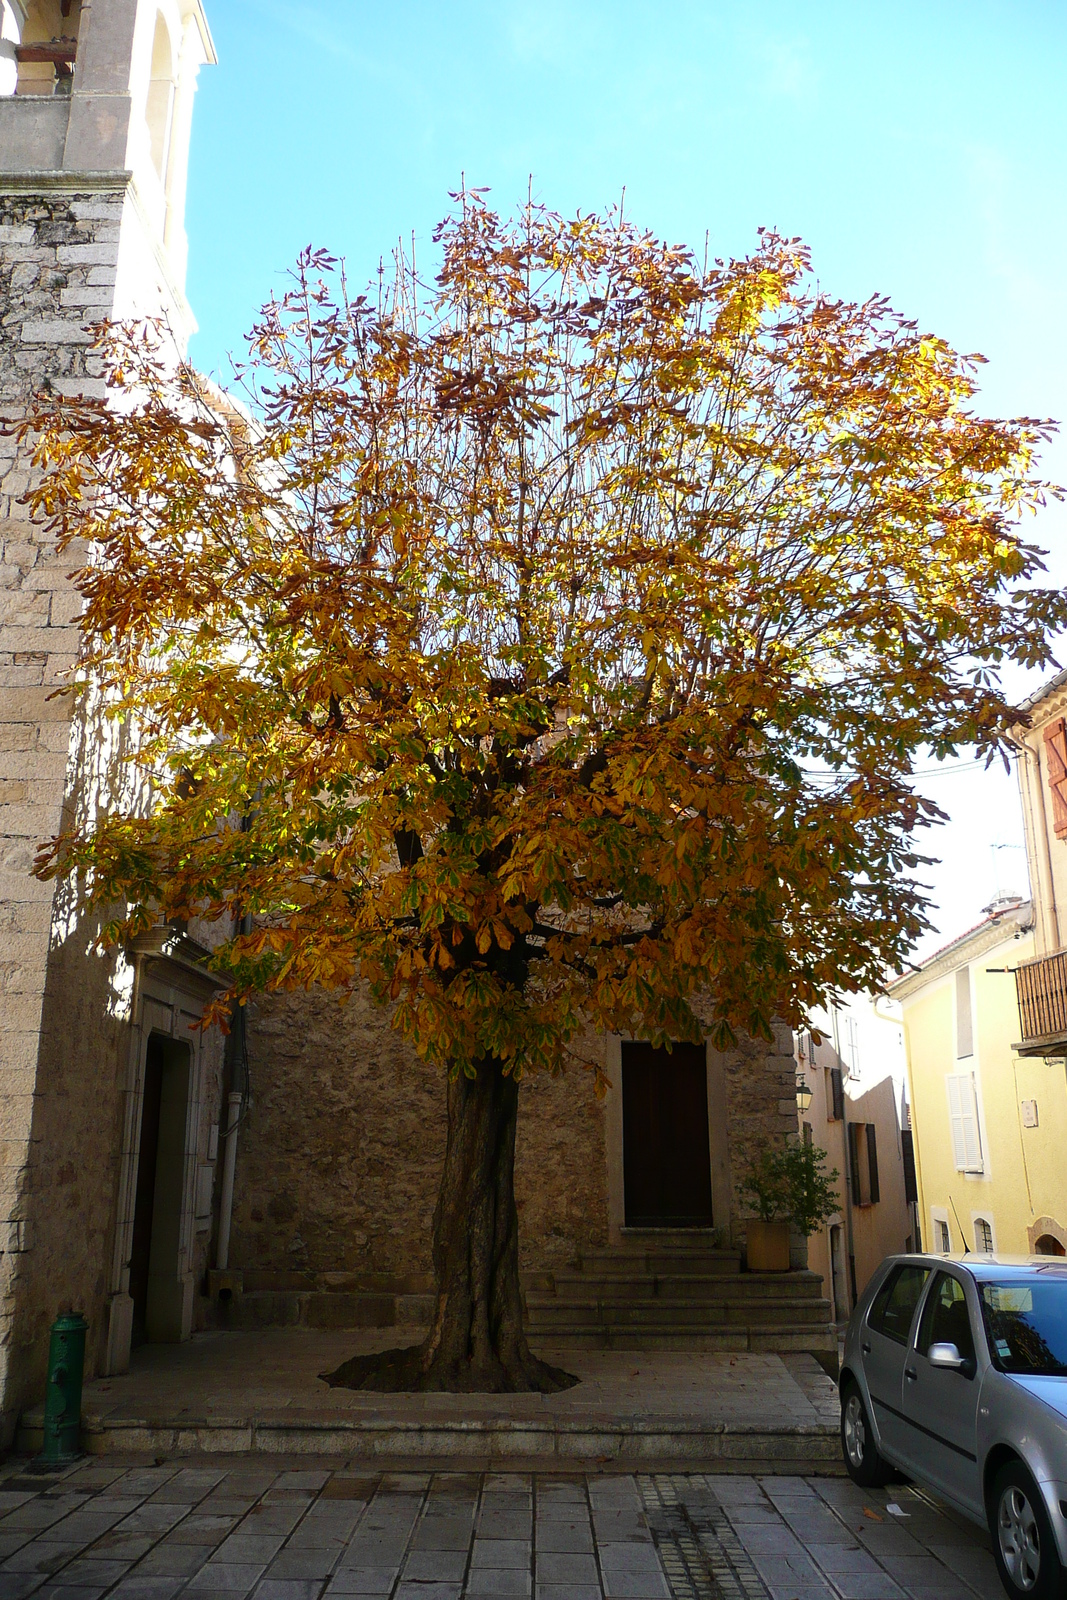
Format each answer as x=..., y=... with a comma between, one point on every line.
x=789, y=1186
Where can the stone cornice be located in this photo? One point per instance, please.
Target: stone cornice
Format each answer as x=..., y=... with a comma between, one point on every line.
x=63, y=182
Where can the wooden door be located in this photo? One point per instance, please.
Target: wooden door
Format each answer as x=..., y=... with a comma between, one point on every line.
x=666, y=1154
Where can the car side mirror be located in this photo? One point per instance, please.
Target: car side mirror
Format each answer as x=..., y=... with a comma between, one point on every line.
x=944, y=1355
x=947, y=1355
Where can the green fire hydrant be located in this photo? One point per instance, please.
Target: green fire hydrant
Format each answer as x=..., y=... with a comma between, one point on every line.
x=63, y=1397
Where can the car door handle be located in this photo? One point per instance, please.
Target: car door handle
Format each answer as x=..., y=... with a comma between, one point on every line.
x=910, y=1372
x=866, y=1349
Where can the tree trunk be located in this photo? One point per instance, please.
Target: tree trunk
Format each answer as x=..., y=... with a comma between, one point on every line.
x=477, y=1342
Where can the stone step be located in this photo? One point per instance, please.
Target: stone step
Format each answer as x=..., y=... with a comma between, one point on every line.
x=626, y=1263
x=772, y=1341
x=546, y=1316
x=699, y=1289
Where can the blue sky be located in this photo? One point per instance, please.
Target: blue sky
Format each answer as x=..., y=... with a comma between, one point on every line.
x=919, y=147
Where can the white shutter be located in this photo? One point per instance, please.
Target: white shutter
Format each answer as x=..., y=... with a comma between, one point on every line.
x=963, y=1116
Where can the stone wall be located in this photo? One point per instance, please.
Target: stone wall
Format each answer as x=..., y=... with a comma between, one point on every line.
x=340, y=1154
x=57, y=266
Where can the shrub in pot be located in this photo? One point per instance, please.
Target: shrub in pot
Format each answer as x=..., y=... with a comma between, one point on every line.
x=789, y=1186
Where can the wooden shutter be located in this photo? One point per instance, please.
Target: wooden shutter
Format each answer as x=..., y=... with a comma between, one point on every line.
x=854, y=1162
x=907, y=1147
x=1056, y=763
x=837, y=1093
x=963, y=1116
x=872, y=1163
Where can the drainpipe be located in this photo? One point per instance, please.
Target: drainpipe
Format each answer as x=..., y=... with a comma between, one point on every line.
x=237, y=1052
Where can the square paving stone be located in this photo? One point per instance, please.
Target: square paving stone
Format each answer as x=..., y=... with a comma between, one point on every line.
x=497, y=1583
x=174, y=1560
x=142, y=1588
x=303, y=1564
x=500, y=1553
x=443, y=1533
x=363, y=1580
x=102, y=1573
x=288, y=1589
x=842, y=1558
x=429, y=1591
x=14, y=1585
x=572, y=1536
x=41, y=1557
x=441, y=1566
x=249, y=1547
x=867, y=1586
x=568, y=1591
x=619, y=1585
x=226, y=1577
x=553, y=1567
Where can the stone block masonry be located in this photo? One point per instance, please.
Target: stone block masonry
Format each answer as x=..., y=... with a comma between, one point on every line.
x=51, y=244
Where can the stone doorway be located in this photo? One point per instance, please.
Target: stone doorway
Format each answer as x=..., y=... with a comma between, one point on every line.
x=666, y=1153
x=155, y=1287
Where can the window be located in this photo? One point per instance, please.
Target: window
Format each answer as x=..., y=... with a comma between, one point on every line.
x=963, y=1116
x=945, y=1318
x=809, y=1136
x=983, y=1235
x=863, y=1163
x=942, y=1237
x=894, y=1304
x=964, y=1031
x=1056, y=764
x=837, y=1095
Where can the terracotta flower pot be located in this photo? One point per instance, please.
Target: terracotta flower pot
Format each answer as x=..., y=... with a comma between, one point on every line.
x=767, y=1246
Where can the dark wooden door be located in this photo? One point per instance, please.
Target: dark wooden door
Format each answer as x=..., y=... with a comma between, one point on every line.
x=665, y=1150
x=144, y=1202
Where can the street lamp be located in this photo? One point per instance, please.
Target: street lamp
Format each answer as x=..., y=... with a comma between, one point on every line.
x=803, y=1093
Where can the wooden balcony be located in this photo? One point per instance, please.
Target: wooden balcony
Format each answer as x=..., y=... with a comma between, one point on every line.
x=1041, y=989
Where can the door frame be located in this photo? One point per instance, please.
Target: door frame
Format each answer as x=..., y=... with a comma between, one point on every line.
x=171, y=986
x=718, y=1143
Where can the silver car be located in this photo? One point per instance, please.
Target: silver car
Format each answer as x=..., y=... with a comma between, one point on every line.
x=955, y=1373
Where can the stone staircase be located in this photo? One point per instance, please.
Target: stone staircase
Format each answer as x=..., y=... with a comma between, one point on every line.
x=658, y=1290
x=669, y=1291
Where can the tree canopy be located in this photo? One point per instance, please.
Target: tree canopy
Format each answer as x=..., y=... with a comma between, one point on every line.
x=548, y=643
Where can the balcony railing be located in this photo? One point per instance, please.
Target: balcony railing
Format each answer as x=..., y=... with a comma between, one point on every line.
x=1041, y=988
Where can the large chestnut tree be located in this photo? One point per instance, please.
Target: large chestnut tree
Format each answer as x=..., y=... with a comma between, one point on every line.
x=544, y=646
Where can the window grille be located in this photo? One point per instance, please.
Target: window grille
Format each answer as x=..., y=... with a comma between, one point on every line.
x=944, y=1243
x=983, y=1236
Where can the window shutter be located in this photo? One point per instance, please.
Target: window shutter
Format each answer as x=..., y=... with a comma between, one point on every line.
x=955, y=1116
x=872, y=1162
x=911, y=1187
x=837, y=1091
x=854, y=1162
x=963, y=1115
x=1056, y=762
x=964, y=1031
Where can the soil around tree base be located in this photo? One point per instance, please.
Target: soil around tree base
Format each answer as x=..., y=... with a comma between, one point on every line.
x=402, y=1371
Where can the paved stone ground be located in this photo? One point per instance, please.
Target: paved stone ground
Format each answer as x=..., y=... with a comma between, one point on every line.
x=277, y=1371
x=229, y=1527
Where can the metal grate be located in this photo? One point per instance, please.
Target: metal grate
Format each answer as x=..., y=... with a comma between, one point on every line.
x=1041, y=988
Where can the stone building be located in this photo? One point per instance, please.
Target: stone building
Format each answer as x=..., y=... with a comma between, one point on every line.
x=115, y=1187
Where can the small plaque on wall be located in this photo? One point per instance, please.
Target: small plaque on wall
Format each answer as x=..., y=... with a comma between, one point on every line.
x=1029, y=1108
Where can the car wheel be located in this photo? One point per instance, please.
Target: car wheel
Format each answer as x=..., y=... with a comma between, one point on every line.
x=1023, y=1544
x=865, y=1466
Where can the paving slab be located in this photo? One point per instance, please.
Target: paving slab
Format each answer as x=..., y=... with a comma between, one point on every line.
x=260, y=1394
x=643, y=1536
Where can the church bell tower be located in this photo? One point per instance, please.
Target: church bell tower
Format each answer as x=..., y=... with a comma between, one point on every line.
x=96, y=100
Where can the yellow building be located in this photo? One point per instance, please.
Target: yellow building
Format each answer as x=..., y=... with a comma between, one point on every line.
x=989, y=1114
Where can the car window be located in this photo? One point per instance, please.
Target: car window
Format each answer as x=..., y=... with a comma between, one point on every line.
x=894, y=1305
x=1026, y=1325
x=945, y=1318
